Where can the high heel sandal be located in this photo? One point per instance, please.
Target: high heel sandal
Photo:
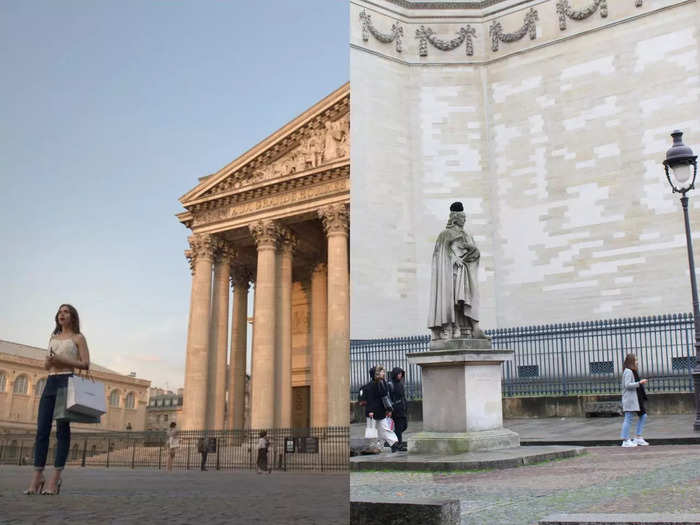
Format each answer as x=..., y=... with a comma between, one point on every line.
x=52, y=493
x=39, y=489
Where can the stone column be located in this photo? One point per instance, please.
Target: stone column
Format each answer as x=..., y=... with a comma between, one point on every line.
x=283, y=353
x=194, y=409
x=319, y=346
x=266, y=234
x=218, y=345
x=240, y=280
x=336, y=224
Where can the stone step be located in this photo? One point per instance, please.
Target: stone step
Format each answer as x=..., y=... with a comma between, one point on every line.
x=621, y=519
x=405, y=512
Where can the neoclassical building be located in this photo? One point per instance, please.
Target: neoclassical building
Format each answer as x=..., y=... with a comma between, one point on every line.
x=22, y=380
x=275, y=218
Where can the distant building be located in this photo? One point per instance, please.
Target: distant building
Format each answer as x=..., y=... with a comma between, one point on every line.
x=163, y=408
x=22, y=380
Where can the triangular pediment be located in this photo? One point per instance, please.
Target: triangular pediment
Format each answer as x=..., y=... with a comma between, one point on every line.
x=320, y=136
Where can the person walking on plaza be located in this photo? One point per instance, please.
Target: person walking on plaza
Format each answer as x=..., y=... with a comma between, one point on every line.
x=263, y=446
x=203, y=449
x=633, y=401
x=379, y=407
x=173, y=444
x=400, y=407
x=67, y=351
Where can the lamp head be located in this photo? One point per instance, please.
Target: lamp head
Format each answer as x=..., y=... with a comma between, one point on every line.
x=680, y=165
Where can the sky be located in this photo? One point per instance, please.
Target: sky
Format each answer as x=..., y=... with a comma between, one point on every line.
x=110, y=112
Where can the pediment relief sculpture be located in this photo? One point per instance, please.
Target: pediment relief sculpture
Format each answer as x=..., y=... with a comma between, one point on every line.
x=320, y=143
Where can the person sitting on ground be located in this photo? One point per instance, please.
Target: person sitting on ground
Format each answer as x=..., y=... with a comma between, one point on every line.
x=633, y=398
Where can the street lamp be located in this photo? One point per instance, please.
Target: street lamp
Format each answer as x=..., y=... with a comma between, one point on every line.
x=681, y=169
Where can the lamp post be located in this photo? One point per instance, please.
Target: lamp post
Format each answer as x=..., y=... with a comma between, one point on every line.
x=681, y=168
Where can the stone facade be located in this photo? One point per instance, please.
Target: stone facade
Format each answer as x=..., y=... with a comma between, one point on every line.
x=549, y=119
x=22, y=379
x=276, y=217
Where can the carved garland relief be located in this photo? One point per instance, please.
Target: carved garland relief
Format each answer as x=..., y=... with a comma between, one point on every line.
x=529, y=26
x=385, y=38
x=426, y=35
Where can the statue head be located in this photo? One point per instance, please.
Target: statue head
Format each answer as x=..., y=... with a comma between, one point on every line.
x=457, y=215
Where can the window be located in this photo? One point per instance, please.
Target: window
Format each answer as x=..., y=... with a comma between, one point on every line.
x=528, y=371
x=21, y=385
x=3, y=382
x=114, y=398
x=130, y=400
x=601, y=367
x=165, y=417
x=40, y=386
x=170, y=402
x=159, y=403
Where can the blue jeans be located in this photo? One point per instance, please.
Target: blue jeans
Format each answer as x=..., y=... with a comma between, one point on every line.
x=628, y=422
x=43, y=427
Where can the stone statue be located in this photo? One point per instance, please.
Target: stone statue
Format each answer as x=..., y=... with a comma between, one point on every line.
x=454, y=292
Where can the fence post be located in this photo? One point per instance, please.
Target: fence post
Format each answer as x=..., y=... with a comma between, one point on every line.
x=82, y=463
x=19, y=458
x=160, y=456
x=109, y=445
x=562, y=353
x=218, y=447
x=187, y=467
x=133, y=452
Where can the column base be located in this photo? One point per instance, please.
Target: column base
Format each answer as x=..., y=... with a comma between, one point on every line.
x=447, y=443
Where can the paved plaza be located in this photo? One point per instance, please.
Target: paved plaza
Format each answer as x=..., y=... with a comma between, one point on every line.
x=605, y=480
x=114, y=495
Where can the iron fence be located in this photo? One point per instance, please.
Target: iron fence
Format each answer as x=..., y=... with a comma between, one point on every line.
x=311, y=449
x=559, y=359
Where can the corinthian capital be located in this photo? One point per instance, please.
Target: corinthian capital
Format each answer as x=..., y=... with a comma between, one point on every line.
x=287, y=240
x=225, y=251
x=202, y=246
x=240, y=276
x=335, y=218
x=266, y=233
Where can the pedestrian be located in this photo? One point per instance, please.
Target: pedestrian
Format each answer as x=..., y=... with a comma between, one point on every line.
x=400, y=407
x=633, y=401
x=173, y=444
x=203, y=449
x=67, y=351
x=263, y=446
x=379, y=407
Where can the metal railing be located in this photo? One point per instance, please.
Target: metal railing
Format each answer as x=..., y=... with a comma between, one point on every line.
x=559, y=359
x=312, y=450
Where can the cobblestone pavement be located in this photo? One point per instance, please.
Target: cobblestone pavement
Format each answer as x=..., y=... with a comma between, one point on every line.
x=606, y=479
x=186, y=497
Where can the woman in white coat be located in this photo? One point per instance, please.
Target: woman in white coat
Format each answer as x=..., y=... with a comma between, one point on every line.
x=633, y=397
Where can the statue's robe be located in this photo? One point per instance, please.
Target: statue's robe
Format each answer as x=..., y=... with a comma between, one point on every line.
x=453, y=279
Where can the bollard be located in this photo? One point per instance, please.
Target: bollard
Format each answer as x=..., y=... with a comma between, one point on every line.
x=160, y=455
x=82, y=464
x=133, y=452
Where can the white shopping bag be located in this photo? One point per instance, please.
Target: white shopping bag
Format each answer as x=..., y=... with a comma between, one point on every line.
x=386, y=432
x=371, y=429
x=85, y=396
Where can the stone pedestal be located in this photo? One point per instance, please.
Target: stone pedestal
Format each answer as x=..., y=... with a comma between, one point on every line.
x=462, y=407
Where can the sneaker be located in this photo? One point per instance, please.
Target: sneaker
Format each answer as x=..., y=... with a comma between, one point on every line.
x=640, y=442
x=628, y=443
